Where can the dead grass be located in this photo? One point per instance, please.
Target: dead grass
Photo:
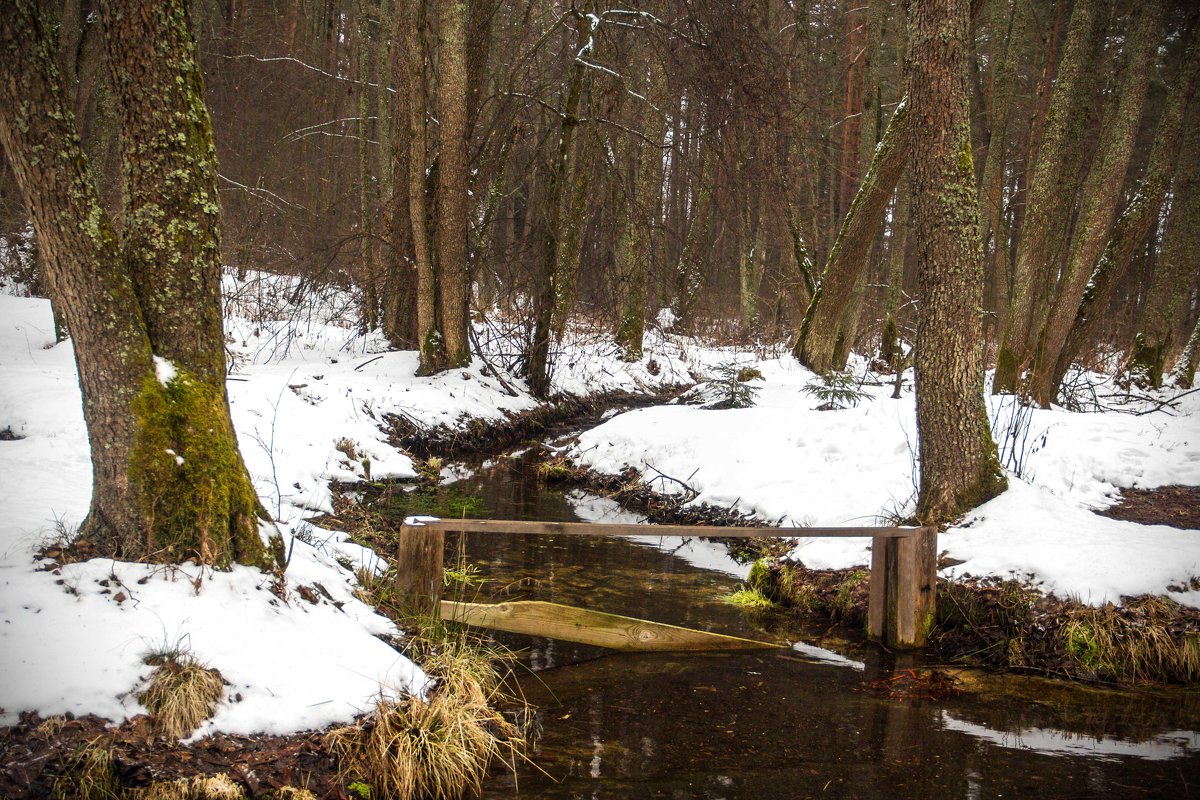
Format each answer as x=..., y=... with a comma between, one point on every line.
x=89, y=774
x=182, y=693
x=437, y=747
x=199, y=787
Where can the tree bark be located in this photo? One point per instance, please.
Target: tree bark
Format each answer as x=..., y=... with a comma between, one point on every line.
x=1044, y=232
x=453, y=181
x=959, y=465
x=1171, y=284
x=1101, y=192
x=821, y=332
x=1140, y=216
x=168, y=480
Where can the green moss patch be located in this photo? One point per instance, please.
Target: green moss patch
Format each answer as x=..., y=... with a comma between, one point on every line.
x=185, y=466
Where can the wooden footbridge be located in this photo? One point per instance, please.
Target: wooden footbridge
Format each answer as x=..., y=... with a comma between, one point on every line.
x=900, y=611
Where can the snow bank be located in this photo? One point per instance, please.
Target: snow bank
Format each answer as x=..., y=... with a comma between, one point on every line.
x=789, y=463
x=308, y=394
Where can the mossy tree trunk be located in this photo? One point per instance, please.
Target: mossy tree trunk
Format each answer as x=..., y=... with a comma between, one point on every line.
x=1171, y=284
x=1099, y=198
x=168, y=479
x=821, y=335
x=889, y=345
x=1008, y=32
x=413, y=98
x=556, y=212
x=959, y=465
x=1140, y=216
x=1051, y=189
x=1184, y=372
x=643, y=217
x=453, y=182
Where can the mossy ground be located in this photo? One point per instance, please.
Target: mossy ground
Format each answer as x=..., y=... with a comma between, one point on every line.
x=1006, y=624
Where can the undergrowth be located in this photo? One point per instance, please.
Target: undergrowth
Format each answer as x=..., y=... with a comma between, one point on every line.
x=1008, y=624
x=182, y=693
x=439, y=746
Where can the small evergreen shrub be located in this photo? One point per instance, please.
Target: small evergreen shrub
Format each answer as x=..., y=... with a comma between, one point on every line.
x=836, y=390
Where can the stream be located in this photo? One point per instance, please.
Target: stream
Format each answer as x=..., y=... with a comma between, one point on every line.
x=806, y=720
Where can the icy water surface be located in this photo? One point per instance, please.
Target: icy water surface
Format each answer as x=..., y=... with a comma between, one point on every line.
x=797, y=722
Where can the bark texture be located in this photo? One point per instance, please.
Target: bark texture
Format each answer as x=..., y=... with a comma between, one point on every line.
x=453, y=181
x=959, y=465
x=1044, y=231
x=1101, y=193
x=168, y=480
x=821, y=335
x=1140, y=216
x=1171, y=284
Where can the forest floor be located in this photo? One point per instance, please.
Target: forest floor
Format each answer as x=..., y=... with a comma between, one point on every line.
x=316, y=404
x=1177, y=506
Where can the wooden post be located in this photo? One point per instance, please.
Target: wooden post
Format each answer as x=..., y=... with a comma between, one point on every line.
x=419, y=554
x=903, y=589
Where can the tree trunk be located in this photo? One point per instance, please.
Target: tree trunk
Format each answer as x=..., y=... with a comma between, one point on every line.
x=991, y=188
x=1051, y=193
x=410, y=81
x=1140, y=216
x=959, y=465
x=1101, y=192
x=453, y=181
x=644, y=216
x=168, y=480
x=538, y=358
x=821, y=332
x=1171, y=284
x=889, y=346
x=1184, y=372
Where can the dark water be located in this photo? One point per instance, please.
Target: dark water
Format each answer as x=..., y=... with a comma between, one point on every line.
x=786, y=723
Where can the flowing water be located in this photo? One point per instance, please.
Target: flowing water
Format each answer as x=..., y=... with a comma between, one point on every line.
x=800, y=721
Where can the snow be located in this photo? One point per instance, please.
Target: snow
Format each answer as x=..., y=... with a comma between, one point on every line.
x=790, y=464
x=164, y=370
x=309, y=395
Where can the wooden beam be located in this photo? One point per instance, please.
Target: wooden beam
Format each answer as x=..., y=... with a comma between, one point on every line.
x=419, y=555
x=901, y=608
x=572, y=624
x=618, y=529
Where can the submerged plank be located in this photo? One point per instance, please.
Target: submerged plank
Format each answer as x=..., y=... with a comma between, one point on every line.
x=557, y=621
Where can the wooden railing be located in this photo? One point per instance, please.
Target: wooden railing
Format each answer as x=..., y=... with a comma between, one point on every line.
x=903, y=563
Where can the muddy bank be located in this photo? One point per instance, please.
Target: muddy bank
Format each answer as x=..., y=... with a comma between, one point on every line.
x=475, y=437
x=36, y=751
x=1005, y=624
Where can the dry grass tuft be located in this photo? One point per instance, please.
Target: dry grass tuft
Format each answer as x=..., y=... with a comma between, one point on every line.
x=440, y=747
x=199, y=787
x=89, y=774
x=182, y=693
x=437, y=749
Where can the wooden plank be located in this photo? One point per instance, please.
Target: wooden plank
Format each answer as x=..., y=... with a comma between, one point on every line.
x=419, y=554
x=877, y=601
x=615, y=529
x=914, y=590
x=556, y=621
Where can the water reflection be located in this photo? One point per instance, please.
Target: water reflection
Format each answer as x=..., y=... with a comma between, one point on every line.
x=793, y=723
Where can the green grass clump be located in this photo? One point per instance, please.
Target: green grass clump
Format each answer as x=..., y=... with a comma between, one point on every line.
x=749, y=599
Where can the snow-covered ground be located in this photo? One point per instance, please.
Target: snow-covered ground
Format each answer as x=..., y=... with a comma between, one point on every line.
x=308, y=398
x=305, y=396
x=787, y=462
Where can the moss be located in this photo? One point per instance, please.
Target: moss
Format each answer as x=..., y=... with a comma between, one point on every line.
x=1007, y=368
x=197, y=500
